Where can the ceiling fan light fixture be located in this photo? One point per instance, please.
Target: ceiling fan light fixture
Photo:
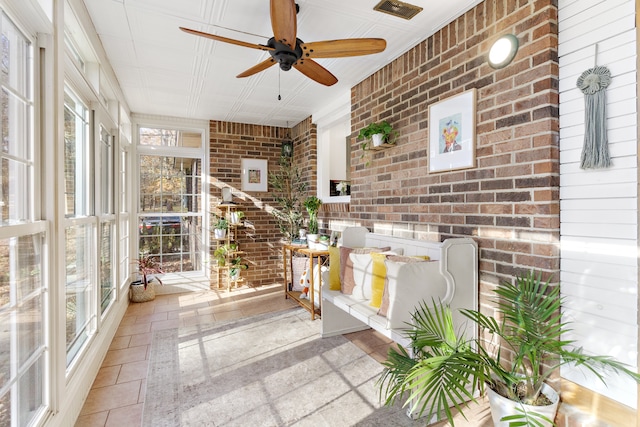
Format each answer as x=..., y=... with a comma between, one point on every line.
x=398, y=8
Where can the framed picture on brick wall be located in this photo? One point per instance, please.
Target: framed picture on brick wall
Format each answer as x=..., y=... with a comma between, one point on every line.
x=452, y=133
x=254, y=175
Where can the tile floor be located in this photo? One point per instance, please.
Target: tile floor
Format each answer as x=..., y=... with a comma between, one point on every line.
x=117, y=395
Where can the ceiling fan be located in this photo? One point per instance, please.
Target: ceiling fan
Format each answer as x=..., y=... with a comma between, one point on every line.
x=289, y=51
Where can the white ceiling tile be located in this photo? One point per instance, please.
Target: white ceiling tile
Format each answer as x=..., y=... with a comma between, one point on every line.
x=165, y=71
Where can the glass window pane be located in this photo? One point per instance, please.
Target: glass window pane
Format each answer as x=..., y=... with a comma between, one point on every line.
x=170, y=138
x=21, y=326
x=106, y=166
x=79, y=268
x=107, y=286
x=16, y=179
x=77, y=157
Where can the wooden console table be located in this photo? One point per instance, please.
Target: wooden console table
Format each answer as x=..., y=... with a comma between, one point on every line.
x=287, y=258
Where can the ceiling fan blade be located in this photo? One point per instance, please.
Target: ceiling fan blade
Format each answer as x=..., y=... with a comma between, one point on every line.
x=342, y=48
x=257, y=68
x=283, y=21
x=226, y=40
x=315, y=71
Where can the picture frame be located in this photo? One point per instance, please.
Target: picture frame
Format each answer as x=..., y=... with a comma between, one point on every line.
x=254, y=174
x=452, y=133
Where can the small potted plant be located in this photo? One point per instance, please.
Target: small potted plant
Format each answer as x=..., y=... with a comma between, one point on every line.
x=236, y=217
x=220, y=255
x=448, y=368
x=237, y=264
x=220, y=228
x=378, y=133
x=312, y=205
x=143, y=289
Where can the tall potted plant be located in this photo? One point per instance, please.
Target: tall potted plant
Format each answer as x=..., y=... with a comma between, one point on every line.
x=288, y=188
x=143, y=289
x=312, y=205
x=447, y=369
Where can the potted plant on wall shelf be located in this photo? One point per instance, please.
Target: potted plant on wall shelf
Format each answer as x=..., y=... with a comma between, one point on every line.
x=312, y=205
x=446, y=369
x=143, y=289
x=378, y=134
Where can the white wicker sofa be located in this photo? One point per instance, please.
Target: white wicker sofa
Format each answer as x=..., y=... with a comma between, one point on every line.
x=451, y=276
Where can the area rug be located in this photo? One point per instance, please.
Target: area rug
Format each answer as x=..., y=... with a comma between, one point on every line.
x=267, y=370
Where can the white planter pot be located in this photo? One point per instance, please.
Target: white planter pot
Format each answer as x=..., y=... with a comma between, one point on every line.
x=235, y=218
x=219, y=233
x=377, y=139
x=502, y=407
x=312, y=239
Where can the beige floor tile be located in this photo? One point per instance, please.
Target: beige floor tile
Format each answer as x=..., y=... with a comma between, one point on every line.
x=107, y=375
x=133, y=371
x=126, y=355
x=134, y=329
x=120, y=342
x=110, y=397
x=165, y=324
x=154, y=317
x=140, y=339
x=99, y=419
x=127, y=416
x=229, y=315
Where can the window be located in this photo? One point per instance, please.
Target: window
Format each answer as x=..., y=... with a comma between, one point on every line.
x=170, y=198
x=80, y=244
x=23, y=296
x=106, y=249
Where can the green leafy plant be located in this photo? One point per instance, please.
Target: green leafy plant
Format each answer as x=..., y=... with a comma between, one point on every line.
x=237, y=264
x=146, y=265
x=288, y=189
x=388, y=134
x=447, y=368
x=312, y=205
x=220, y=255
x=221, y=224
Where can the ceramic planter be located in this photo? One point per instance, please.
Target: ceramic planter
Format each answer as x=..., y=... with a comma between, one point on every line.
x=377, y=139
x=219, y=233
x=502, y=407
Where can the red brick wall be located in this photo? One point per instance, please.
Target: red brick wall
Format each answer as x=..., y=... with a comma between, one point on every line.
x=509, y=202
x=229, y=144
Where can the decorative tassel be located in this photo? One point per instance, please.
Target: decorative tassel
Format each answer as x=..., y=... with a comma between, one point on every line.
x=595, y=152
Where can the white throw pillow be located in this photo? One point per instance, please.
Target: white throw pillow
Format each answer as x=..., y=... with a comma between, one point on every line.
x=363, y=273
x=410, y=283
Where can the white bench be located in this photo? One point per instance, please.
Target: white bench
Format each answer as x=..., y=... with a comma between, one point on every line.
x=451, y=278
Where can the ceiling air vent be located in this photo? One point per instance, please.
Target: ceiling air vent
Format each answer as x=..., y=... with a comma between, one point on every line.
x=398, y=8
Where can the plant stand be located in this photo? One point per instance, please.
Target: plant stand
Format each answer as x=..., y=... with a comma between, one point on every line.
x=222, y=271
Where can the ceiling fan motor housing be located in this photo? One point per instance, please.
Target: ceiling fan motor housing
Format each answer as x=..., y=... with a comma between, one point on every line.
x=283, y=54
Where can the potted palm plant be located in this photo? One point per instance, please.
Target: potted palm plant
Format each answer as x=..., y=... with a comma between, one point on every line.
x=312, y=205
x=143, y=289
x=446, y=369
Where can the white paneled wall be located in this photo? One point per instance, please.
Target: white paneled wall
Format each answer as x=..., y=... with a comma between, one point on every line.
x=599, y=208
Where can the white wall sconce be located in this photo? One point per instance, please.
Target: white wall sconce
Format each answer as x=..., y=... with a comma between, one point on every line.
x=503, y=51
